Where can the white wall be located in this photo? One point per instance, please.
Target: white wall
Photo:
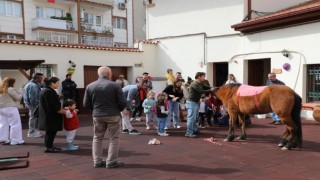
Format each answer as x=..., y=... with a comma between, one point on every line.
x=180, y=54
x=139, y=15
x=273, y=5
x=178, y=17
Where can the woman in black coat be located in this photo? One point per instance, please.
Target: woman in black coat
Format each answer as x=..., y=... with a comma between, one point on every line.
x=50, y=113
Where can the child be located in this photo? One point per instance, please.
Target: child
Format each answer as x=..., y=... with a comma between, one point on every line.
x=162, y=113
x=224, y=119
x=170, y=77
x=210, y=110
x=203, y=106
x=149, y=106
x=71, y=123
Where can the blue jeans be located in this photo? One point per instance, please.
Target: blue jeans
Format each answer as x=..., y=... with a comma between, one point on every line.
x=192, y=108
x=161, y=124
x=173, y=107
x=275, y=117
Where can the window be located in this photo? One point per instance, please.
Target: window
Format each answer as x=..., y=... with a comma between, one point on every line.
x=45, y=69
x=43, y=12
x=10, y=8
x=119, y=23
x=313, y=83
x=120, y=1
x=93, y=20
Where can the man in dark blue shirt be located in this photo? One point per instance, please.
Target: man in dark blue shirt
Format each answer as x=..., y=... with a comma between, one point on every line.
x=272, y=79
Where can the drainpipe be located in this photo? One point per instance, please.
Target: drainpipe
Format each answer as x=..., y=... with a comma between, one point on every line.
x=79, y=24
x=23, y=20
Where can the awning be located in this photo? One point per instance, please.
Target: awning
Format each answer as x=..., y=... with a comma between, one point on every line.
x=21, y=65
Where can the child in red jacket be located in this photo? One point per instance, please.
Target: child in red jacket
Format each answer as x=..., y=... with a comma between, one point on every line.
x=71, y=123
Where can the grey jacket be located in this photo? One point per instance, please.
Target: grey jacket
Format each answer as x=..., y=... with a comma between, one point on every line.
x=104, y=97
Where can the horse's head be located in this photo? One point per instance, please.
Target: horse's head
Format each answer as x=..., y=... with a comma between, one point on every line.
x=225, y=91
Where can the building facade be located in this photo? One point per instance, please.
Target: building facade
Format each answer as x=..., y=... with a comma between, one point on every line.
x=249, y=38
x=96, y=23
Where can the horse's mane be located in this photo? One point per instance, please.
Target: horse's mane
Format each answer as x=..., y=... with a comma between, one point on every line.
x=234, y=85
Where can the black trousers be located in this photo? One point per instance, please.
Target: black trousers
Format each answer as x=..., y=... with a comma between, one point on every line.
x=138, y=110
x=49, y=138
x=202, y=117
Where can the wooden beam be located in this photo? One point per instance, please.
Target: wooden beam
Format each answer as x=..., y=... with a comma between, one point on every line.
x=24, y=73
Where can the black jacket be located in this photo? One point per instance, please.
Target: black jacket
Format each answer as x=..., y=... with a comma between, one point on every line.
x=49, y=104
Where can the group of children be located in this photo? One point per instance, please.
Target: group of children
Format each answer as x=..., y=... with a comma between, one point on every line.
x=210, y=108
x=157, y=112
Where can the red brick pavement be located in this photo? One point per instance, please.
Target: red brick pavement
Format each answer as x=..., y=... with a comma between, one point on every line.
x=177, y=157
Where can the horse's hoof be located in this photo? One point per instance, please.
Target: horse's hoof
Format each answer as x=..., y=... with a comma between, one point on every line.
x=241, y=138
x=284, y=148
x=281, y=144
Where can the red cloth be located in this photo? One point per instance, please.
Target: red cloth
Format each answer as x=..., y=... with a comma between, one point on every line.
x=71, y=123
x=51, y=1
x=143, y=94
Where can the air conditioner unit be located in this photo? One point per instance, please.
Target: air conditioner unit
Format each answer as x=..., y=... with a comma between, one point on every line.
x=122, y=5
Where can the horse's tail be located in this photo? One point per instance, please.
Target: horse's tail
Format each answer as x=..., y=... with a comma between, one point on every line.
x=296, y=117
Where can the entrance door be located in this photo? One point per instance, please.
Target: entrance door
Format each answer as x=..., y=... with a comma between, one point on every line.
x=220, y=73
x=258, y=71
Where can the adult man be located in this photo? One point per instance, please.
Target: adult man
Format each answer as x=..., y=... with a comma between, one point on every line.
x=31, y=100
x=146, y=79
x=272, y=79
x=106, y=100
x=133, y=96
x=122, y=81
x=68, y=88
x=196, y=89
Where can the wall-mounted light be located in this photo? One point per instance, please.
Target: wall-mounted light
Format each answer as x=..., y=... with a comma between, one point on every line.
x=72, y=64
x=285, y=53
x=138, y=64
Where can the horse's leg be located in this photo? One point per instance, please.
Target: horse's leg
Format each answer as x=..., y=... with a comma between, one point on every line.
x=291, y=128
x=232, y=124
x=283, y=140
x=243, y=135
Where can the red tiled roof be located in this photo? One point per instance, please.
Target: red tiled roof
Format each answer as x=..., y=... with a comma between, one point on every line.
x=149, y=42
x=305, y=12
x=79, y=46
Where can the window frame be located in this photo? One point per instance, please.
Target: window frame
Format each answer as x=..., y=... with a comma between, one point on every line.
x=15, y=8
x=118, y=21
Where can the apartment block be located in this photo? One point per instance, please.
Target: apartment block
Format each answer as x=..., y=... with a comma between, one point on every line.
x=87, y=22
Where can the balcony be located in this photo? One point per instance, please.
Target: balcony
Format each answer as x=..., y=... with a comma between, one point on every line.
x=55, y=37
x=54, y=24
x=97, y=41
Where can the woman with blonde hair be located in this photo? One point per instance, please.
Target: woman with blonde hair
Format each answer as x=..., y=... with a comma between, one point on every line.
x=9, y=114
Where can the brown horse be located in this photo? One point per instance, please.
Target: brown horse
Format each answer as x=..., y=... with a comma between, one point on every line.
x=276, y=98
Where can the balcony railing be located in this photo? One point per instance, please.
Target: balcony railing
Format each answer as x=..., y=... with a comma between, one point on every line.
x=97, y=41
x=56, y=37
x=87, y=27
x=54, y=24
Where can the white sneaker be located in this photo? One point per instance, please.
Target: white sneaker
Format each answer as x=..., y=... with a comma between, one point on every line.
x=148, y=127
x=131, y=119
x=163, y=134
x=34, y=135
x=178, y=127
x=166, y=128
x=4, y=141
x=138, y=119
x=17, y=142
